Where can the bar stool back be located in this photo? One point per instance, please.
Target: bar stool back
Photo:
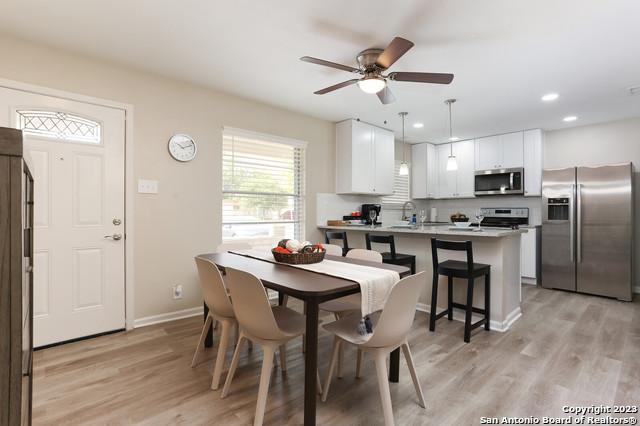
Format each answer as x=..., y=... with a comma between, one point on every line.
x=337, y=235
x=459, y=269
x=391, y=256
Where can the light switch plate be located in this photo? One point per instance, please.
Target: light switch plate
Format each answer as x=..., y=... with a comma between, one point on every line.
x=146, y=186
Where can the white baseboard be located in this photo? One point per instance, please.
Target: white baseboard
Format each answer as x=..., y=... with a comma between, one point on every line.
x=636, y=290
x=169, y=316
x=495, y=325
x=529, y=281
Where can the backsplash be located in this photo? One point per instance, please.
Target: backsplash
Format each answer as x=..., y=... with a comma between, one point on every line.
x=334, y=206
x=469, y=206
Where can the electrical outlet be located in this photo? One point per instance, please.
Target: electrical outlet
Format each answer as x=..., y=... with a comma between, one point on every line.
x=146, y=186
x=177, y=291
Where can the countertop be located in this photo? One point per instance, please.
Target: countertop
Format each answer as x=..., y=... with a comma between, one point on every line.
x=432, y=230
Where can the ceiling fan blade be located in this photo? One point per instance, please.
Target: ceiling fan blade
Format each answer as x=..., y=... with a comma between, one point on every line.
x=386, y=96
x=398, y=47
x=336, y=86
x=329, y=64
x=422, y=77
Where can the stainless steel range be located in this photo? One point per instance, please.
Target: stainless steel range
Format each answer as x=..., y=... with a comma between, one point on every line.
x=504, y=217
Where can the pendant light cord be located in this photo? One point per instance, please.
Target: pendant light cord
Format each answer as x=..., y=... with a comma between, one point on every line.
x=403, y=143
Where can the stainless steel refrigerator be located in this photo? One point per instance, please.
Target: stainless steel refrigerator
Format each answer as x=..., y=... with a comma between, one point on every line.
x=587, y=230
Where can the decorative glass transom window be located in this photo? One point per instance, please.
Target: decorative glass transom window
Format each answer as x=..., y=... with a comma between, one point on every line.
x=59, y=125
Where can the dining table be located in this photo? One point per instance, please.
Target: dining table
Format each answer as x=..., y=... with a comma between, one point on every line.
x=312, y=288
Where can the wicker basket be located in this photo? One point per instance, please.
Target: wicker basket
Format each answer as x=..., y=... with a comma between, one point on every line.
x=298, y=258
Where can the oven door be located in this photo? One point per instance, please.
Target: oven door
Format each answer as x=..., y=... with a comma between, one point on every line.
x=499, y=182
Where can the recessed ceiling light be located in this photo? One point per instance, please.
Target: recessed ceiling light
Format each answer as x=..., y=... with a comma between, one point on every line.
x=418, y=125
x=454, y=138
x=550, y=97
x=570, y=118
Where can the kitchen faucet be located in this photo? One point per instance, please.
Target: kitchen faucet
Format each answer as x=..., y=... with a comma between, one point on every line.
x=404, y=209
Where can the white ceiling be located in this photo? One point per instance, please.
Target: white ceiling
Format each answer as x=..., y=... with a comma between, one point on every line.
x=505, y=54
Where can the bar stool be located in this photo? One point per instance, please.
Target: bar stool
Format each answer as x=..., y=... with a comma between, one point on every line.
x=391, y=256
x=337, y=235
x=459, y=269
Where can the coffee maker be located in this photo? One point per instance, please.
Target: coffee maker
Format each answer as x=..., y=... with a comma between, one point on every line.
x=366, y=208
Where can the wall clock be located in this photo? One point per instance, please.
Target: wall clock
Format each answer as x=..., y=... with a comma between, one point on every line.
x=182, y=147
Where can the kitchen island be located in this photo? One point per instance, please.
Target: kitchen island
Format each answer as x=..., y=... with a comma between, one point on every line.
x=497, y=247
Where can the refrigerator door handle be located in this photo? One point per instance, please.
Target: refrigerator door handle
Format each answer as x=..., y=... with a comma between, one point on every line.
x=579, y=223
x=571, y=222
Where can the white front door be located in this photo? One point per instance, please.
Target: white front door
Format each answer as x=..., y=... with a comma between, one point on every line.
x=77, y=159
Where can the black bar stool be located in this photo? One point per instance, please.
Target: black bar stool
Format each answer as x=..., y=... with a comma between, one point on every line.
x=337, y=235
x=391, y=256
x=459, y=269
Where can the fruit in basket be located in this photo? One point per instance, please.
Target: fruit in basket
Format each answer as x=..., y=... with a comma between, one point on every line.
x=293, y=246
x=307, y=249
x=459, y=217
x=283, y=243
x=318, y=248
x=283, y=250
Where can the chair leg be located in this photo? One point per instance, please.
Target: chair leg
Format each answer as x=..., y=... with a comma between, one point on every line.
x=487, y=300
x=467, y=318
x=413, y=266
x=335, y=350
x=434, y=302
x=285, y=300
x=359, y=363
x=203, y=336
x=232, y=368
x=265, y=377
x=340, y=353
x=282, y=350
x=383, y=386
x=414, y=376
x=450, y=298
x=222, y=351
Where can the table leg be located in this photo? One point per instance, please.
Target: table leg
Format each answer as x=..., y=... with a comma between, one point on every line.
x=394, y=366
x=208, y=341
x=311, y=363
x=280, y=298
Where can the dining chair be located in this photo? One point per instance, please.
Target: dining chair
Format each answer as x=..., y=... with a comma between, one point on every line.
x=269, y=326
x=352, y=303
x=391, y=256
x=390, y=329
x=337, y=235
x=333, y=249
x=220, y=310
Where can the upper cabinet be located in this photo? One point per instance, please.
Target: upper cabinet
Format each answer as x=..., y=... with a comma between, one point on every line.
x=499, y=152
x=533, y=145
x=424, y=171
x=364, y=159
x=456, y=183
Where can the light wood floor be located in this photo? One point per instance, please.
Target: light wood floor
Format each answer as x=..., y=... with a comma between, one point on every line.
x=566, y=349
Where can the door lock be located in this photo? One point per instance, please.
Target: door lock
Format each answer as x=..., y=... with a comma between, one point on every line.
x=117, y=222
x=115, y=237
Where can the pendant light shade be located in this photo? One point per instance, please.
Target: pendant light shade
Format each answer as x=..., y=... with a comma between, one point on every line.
x=404, y=167
x=452, y=163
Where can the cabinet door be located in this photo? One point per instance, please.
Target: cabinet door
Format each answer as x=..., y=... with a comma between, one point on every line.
x=512, y=150
x=419, y=170
x=447, y=180
x=362, y=158
x=488, y=153
x=432, y=171
x=528, y=254
x=533, y=163
x=464, y=152
x=384, y=161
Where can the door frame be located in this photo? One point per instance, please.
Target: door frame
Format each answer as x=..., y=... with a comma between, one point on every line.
x=129, y=181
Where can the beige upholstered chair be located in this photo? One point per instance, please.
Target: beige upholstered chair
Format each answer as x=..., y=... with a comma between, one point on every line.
x=220, y=309
x=269, y=326
x=333, y=249
x=391, y=327
x=362, y=254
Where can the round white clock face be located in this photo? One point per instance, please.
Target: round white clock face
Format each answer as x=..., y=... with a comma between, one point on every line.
x=182, y=147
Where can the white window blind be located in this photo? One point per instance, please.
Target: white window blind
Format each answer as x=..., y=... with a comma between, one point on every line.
x=262, y=188
x=401, y=192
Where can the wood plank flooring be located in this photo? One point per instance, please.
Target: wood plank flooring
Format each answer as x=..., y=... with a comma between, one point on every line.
x=567, y=349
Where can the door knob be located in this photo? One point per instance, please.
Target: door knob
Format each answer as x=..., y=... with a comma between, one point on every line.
x=115, y=237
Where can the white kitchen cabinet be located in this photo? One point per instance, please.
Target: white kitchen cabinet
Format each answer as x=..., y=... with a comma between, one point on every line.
x=365, y=156
x=533, y=151
x=499, y=152
x=457, y=183
x=424, y=171
x=528, y=253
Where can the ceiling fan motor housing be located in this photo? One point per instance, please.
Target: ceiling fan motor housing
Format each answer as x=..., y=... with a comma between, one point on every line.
x=367, y=59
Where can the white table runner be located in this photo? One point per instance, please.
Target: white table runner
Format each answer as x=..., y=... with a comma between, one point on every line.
x=375, y=283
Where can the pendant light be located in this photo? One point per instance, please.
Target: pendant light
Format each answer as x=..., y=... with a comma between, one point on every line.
x=452, y=163
x=404, y=168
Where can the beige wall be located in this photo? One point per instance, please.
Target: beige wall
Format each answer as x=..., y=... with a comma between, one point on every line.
x=184, y=218
x=605, y=143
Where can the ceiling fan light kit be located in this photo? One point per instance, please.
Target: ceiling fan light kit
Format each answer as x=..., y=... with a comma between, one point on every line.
x=372, y=63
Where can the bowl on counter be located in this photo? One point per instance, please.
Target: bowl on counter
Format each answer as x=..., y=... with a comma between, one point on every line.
x=459, y=224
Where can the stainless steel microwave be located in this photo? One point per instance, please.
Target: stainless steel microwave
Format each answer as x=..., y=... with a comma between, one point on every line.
x=499, y=182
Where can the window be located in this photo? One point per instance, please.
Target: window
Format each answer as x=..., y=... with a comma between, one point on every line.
x=401, y=191
x=59, y=125
x=262, y=188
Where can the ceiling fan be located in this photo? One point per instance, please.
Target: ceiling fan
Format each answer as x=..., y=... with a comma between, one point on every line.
x=372, y=64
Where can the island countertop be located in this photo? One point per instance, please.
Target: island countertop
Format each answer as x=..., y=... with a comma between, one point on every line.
x=432, y=230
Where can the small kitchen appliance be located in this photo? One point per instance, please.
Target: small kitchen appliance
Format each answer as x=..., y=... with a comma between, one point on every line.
x=366, y=215
x=499, y=181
